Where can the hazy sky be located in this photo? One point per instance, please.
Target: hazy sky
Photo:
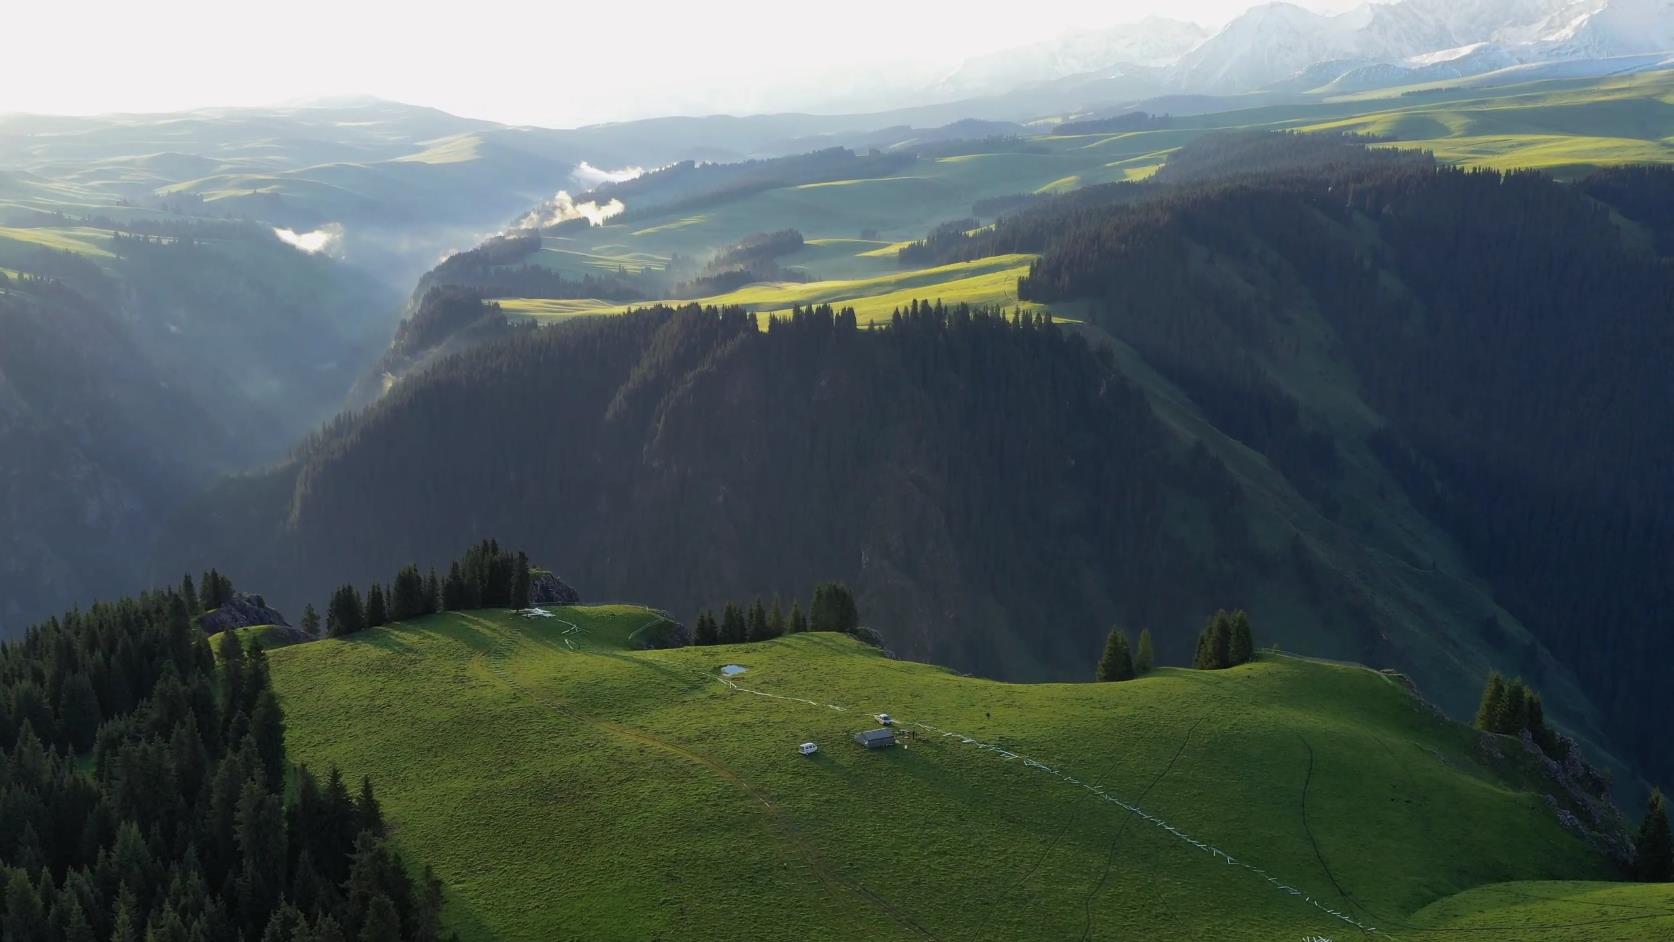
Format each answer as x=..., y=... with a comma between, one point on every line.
x=534, y=61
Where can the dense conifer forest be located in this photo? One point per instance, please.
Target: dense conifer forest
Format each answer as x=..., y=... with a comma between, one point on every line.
x=1512, y=330
x=146, y=794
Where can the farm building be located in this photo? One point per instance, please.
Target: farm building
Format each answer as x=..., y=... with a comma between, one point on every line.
x=875, y=738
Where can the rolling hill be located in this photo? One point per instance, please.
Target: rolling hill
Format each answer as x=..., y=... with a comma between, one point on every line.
x=519, y=755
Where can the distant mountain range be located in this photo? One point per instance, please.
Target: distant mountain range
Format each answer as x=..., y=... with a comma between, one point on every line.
x=1282, y=47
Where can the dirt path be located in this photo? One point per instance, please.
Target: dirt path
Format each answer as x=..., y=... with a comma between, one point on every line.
x=828, y=876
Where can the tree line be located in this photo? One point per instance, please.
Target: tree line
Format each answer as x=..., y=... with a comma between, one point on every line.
x=832, y=608
x=960, y=452
x=146, y=794
x=485, y=577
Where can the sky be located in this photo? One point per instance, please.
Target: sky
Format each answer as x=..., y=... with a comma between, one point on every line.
x=556, y=64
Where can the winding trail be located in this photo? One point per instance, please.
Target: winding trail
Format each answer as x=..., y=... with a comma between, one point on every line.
x=829, y=877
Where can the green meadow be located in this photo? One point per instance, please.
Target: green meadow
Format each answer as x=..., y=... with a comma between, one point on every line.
x=566, y=785
x=989, y=282
x=854, y=228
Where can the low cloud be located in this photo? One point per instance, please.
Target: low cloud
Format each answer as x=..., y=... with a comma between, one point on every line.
x=563, y=208
x=590, y=176
x=322, y=239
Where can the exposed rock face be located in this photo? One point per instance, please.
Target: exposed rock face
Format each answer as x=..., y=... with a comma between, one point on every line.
x=241, y=611
x=669, y=634
x=547, y=589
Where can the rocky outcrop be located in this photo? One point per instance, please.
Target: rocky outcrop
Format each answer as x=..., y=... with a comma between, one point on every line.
x=668, y=634
x=241, y=611
x=547, y=589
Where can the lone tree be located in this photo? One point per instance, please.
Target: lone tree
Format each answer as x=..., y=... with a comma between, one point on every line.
x=1117, y=663
x=1147, y=658
x=1653, y=848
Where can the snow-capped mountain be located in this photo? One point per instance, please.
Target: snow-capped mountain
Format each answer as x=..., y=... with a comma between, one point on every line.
x=1282, y=47
x=1150, y=43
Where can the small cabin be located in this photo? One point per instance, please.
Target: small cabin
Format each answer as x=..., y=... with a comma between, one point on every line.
x=808, y=748
x=875, y=738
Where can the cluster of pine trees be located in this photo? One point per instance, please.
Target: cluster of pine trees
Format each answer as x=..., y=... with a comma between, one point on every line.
x=143, y=796
x=1509, y=707
x=485, y=577
x=1120, y=661
x=213, y=591
x=832, y=608
x=1226, y=641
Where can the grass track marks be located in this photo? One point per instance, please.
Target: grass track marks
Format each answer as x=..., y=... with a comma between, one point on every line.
x=1110, y=857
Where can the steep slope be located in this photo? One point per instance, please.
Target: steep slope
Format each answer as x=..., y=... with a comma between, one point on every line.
x=1271, y=459
x=1499, y=346
x=95, y=441
x=1284, y=799
x=139, y=365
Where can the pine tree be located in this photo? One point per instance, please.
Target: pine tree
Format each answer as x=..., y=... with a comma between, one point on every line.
x=1653, y=847
x=520, y=583
x=377, y=611
x=310, y=620
x=453, y=590
x=733, y=628
x=382, y=922
x=190, y=594
x=267, y=729
x=232, y=677
x=798, y=621
x=833, y=608
x=78, y=712
x=406, y=599
x=1214, y=643
x=127, y=924
x=370, y=811
x=1514, y=711
x=1493, y=704
x=1147, y=658
x=1241, y=644
x=432, y=593
x=756, y=622
x=345, y=615
x=706, y=632
x=1117, y=663
x=776, y=624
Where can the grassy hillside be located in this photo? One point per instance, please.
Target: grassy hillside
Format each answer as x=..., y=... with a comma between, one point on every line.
x=985, y=283
x=567, y=786
x=853, y=225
